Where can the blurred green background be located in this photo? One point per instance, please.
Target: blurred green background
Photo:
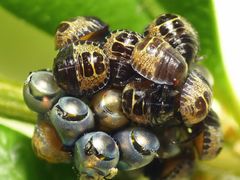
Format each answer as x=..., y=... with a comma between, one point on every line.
x=23, y=47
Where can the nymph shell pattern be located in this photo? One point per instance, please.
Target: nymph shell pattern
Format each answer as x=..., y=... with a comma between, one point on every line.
x=79, y=28
x=81, y=68
x=157, y=61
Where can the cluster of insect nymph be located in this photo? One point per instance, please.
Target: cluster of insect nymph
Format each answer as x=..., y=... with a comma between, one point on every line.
x=121, y=101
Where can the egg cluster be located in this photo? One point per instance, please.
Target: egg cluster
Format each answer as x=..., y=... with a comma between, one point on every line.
x=119, y=100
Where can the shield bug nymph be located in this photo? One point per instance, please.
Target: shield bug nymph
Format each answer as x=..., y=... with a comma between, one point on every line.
x=80, y=28
x=81, y=68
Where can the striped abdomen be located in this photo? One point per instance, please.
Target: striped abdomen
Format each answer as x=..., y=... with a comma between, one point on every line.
x=118, y=48
x=210, y=141
x=156, y=60
x=178, y=32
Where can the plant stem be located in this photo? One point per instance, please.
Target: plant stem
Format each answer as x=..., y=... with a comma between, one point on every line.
x=12, y=104
x=19, y=126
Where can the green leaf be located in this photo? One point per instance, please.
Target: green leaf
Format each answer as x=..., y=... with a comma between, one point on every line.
x=18, y=162
x=135, y=15
x=46, y=15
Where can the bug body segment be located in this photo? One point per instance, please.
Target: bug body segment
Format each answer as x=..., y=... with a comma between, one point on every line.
x=178, y=32
x=179, y=167
x=80, y=28
x=47, y=144
x=120, y=44
x=210, y=141
x=71, y=117
x=107, y=106
x=40, y=91
x=81, y=68
x=170, y=138
x=195, y=98
x=137, y=147
x=119, y=47
x=204, y=72
x=96, y=154
x=175, y=168
x=147, y=103
x=157, y=61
